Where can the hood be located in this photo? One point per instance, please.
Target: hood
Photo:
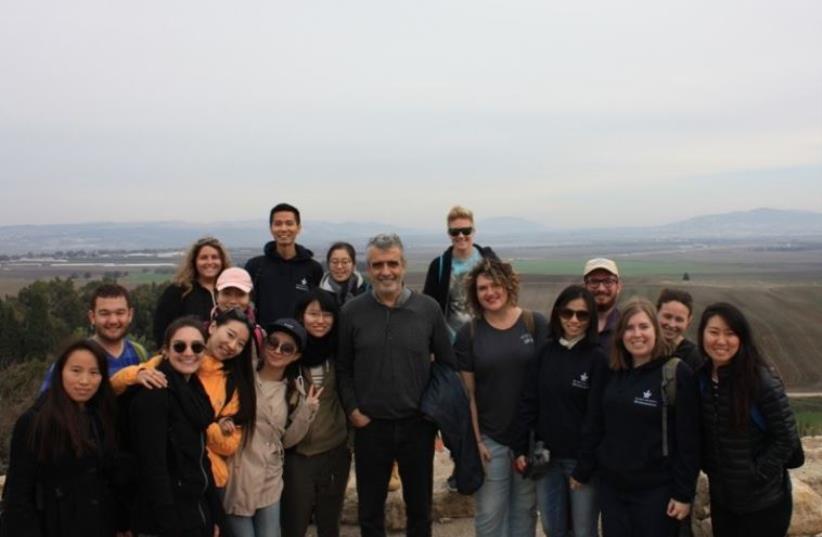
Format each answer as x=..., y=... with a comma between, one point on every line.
x=325, y=282
x=303, y=253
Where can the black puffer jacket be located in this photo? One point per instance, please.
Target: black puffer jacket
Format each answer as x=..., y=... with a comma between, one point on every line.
x=746, y=469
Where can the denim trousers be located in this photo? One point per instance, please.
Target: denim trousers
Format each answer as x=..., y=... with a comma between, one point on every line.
x=265, y=522
x=505, y=505
x=410, y=442
x=556, y=501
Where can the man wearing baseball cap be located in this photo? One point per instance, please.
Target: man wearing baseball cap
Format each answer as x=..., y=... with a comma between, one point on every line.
x=601, y=276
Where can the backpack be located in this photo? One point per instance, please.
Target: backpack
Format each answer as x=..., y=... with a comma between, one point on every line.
x=668, y=390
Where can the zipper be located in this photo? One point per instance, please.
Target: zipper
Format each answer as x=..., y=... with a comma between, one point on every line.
x=205, y=477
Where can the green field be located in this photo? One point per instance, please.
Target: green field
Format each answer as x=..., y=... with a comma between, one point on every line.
x=808, y=412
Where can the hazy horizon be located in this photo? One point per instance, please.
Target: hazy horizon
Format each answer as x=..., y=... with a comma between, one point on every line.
x=572, y=116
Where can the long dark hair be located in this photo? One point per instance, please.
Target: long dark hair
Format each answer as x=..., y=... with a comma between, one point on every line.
x=240, y=373
x=60, y=426
x=744, y=366
x=572, y=292
x=316, y=350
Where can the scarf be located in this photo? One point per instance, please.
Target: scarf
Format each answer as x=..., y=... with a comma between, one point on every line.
x=191, y=395
x=318, y=350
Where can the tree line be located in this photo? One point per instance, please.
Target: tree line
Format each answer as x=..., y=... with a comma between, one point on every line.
x=46, y=314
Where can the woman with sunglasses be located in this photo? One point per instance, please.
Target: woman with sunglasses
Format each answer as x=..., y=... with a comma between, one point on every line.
x=316, y=469
x=560, y=389
x=749, y=429
x=493, y=353
x=252, y=496
x=59, y=480
x=645, y=431
x=227, y=375
x=176, y=495
x=192, y=291
x=342, y=278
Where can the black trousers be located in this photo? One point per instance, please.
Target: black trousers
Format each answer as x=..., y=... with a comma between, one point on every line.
x=314, y=485
x=636, y=513
x=772, y=521
x=410, y=442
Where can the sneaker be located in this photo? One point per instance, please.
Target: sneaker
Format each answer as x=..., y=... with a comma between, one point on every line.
x=451, y=483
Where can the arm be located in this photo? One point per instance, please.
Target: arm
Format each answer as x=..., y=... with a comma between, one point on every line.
x=431, y=282
x=302, y=417
x=440, y=341
x=129, y=376
x=780, y=426
x=465, y=362
x=20, y=514
x=527, y=408
x=345, y=365
x=169, y=307
x=220, y=442
x=470, y=387
x=592, y=428
x=685, y=465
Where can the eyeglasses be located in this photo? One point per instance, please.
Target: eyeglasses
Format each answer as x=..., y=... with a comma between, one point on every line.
x=286, y=348
x=593, y=283
x=567, y=313
x=464, y=231
x=327, y=315
x=340, y=262
x=197, y=347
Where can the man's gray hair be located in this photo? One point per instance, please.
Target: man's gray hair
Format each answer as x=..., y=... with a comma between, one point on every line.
x=386, y=241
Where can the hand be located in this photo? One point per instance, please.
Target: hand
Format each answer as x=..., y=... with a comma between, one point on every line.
x=485, y=453
x=227, y=426
x=520, y=464
x=151, y=378
x=216, y=531
x=678, y=510
x=358, y=419
x=574, y=484
x=313, y=397
x=124, y=534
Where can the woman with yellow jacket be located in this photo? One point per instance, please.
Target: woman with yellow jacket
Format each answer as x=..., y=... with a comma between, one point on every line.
x=226, y=374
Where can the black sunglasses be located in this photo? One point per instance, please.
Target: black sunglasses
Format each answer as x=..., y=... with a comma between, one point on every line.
x=465, y=231
x=286, y=349
x=180, y=347
x=581, y=315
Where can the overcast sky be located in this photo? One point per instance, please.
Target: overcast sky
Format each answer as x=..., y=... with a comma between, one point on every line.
x=641, y=112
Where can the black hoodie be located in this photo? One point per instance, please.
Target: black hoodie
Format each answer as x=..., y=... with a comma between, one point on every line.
x=629, y=425
x=279, y=282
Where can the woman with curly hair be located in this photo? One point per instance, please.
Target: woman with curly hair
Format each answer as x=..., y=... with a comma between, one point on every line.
x=192, y=291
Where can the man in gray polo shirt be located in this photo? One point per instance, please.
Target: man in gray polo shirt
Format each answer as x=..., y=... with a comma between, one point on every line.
x=386, y=340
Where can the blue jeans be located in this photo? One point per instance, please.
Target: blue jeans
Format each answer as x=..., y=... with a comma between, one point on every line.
x=265, y=522
x=554, y=496
x=505, y=505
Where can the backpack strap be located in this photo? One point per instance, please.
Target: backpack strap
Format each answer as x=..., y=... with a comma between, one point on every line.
x=668, y=391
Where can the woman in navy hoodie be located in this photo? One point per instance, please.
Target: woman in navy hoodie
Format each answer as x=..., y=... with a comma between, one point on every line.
x=559, y=389
x=648, y=449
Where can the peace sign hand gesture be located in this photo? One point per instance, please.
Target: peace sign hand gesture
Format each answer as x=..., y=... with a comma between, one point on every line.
x=312, y=399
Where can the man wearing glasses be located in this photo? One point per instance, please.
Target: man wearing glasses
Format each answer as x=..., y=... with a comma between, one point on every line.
x=601, y=278
x=386, y=340
x=446, y=273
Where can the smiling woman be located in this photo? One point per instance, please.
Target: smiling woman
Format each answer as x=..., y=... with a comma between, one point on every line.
x=193, y=290
x=646, y=432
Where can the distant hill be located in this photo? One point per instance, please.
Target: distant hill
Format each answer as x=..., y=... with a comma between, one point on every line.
x=757, y=223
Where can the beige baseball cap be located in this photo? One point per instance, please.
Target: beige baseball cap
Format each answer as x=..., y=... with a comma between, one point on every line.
x=600, y=263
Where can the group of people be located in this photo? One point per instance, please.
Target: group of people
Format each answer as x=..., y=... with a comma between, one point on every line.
x=269, y=376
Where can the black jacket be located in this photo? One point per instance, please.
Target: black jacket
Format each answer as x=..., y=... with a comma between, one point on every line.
x=560, y=386
x=629, y=427
x=446, y=403
x=438, y=279
x=173, y=305
x=70, y=497
x=176, y=496
x=746, y=468
x=690, y=354
x=279, y=282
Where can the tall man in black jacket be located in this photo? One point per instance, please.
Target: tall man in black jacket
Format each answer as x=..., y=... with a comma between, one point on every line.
x=285, y=270
x=386, y=340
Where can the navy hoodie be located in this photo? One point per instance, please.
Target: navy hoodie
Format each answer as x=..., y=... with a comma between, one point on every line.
x=278, y=282
x=629, y=451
